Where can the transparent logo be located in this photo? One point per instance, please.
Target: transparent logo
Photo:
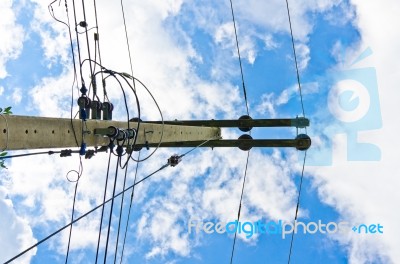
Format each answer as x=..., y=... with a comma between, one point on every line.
x=353, y=106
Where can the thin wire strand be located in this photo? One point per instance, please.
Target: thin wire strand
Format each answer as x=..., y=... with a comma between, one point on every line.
x=72, y=219
x=295, y=59
x=240, y=58
x=298, y=205
x=240, y=203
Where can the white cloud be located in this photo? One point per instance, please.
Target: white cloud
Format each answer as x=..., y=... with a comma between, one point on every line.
x=12, y=36
x=270, y=43
x=16, y=233
x=17, y=96
x=366, y=191
x=303, y=55
x=162, y=61
x=1, y=90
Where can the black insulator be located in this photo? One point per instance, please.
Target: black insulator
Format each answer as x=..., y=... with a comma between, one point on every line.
x=96, y=107
x=84, y=107
x=242, y=142
x=107, y=110
x=303, y=142
x=244, y=128
x=131, y=133
x=113, y=132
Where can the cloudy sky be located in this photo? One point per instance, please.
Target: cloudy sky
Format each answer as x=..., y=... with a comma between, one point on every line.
x=184, y=52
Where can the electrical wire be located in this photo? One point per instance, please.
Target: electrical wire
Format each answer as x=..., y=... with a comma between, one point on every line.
x=97, y=47
x=77, y=43
x=240, y=59
x=161, y=115
x=84, y=215
x=240, y=205
x=302, y=107
x=129, y=210
x=120, y=213
x=295, y=58
x=87, y=39
x=127, y=43
x=111, y=210
x=98, y=206
x=35, y=153
x=297, y=206
x=102, y=207
x=248, y=113
x=72, y=219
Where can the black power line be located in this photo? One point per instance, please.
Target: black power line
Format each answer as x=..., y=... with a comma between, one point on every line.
x=240, y=205
x=72, y=219
x=120, y=214
x=248, y=113
x=240, y=58
x=84, y=215
x=102, y=207
x=111, y=210
x=295, y=58
x=127, y=42
x=302, y=107
x=298, y=205
x=129, y=210
x=104, y=203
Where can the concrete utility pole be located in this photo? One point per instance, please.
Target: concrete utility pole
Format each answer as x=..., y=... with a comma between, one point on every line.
x=24, y=132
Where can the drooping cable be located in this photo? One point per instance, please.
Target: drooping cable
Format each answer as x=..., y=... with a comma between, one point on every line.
x=102, y=207
x=295, y=58
x=97, y=207
x=72, y=219
x=297, y=205
x=129, y=210
x=240, y=58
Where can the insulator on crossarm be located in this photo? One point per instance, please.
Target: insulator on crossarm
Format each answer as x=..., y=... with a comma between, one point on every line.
x=96, y=108
x=84, y=107
x=107, y=110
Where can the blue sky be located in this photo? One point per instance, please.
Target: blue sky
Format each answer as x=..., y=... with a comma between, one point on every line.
x=185, y=53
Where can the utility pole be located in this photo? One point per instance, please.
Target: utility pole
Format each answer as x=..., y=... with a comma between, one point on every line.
x=25, y=132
